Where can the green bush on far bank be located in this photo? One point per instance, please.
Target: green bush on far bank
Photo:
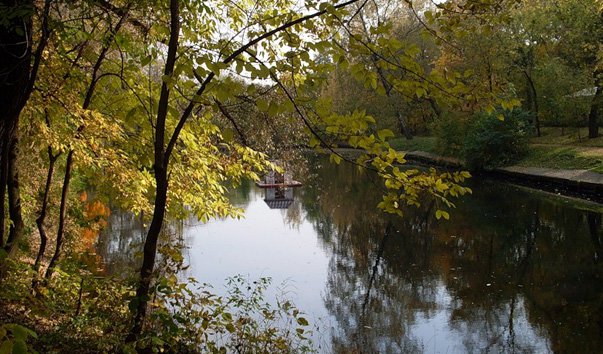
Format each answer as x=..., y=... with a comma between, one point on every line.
x=450, y=131
x=417, y=143
x=484, y=141
x=493, y=140
x=557, y=148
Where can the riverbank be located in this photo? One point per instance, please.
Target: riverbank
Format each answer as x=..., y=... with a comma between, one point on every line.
x=584, y=184
x=561, y=161
x=557, y=149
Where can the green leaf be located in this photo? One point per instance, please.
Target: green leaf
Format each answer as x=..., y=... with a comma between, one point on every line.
x=302, y=321
x=6, y=347
x=173, y=111
x=272, y=109
x=168, y=79
x=21, y=332
x=314, y=142
x=442, y=213
x=215, y=67
x=230, y=327
x=227, y=134
x=262, y=105
x=335, y=158
x=19, y=347
x=384, y=134
x=145, y=61
x=420, y=92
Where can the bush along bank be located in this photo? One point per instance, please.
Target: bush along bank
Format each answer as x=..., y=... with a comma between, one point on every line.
x=497, y=144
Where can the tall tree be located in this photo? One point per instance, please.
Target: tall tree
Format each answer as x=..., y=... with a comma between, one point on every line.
x=256, y=48
x=87, y=101
x=20, y=63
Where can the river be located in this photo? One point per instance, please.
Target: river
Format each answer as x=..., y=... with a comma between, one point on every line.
x=513, y=270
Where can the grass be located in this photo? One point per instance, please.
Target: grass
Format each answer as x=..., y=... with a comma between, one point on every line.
x=564, y=157
x=417, y=143
x=568, y=136
x=566, y=149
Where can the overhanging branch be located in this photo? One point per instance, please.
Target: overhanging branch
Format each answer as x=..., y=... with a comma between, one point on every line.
x=189, y=109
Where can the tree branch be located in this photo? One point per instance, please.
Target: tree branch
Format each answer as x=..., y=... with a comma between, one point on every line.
x=120, y=12
x=228, y=116
x=189, y=109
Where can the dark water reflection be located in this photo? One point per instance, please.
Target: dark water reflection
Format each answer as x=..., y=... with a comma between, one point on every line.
x=512, y=271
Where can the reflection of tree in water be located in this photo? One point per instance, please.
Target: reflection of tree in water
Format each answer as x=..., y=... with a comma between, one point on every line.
x=522, y=271
x=120, y=244
x=540, y=257
x=294, y=214
x=368, y=300
x=535, y=253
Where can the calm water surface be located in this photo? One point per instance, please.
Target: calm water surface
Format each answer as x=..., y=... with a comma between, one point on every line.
x=514, y=270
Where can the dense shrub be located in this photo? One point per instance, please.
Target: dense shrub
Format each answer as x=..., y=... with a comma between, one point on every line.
x=492, y=142
x=450, y=131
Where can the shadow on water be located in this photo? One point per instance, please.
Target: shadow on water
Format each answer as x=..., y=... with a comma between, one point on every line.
x=512, y=271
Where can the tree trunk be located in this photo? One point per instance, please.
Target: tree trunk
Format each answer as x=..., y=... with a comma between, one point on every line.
x=43, y=209
x=16, y=85
x=62, y=210
x=403, y=127
x=3, y=180
x=14, y=198
x=15, y=61
x=533, y=101
x=162, y=152
x=160, y=167
x=593, y=117
x=69, y=164
x=149, y=254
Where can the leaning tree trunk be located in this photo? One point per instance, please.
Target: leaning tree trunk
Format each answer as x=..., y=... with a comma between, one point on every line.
x=162, y=152
x=17, y=79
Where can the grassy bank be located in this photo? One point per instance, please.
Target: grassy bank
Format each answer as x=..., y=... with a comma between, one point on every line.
x=557, y=148
x=577, y=137
x=417, y=143
x=565, y=148
x=563, y=157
